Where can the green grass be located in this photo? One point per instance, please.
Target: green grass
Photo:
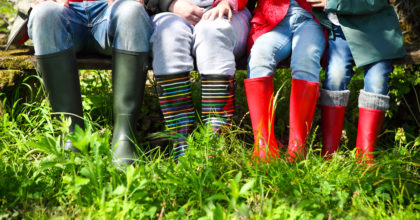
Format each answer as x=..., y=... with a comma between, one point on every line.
x=213, y=181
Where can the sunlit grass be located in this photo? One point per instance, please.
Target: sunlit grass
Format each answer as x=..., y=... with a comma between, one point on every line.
x=216, y=179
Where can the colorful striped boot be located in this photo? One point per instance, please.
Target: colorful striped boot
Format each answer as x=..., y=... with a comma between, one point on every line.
x=175, y=101
x=218, y=100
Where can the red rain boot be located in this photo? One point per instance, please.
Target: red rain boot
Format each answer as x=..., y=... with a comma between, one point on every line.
x=332, y=126
x=260, y=94
x=303, y=98
x=370, y=123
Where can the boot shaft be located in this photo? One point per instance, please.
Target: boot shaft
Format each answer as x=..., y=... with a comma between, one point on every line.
x=372, y=108
x=333, y=107
x=332, y=118
x=369, y=126
x=260, y=97
x=303, y=98
x=129, y=72
x=217, y=100
x=175, y=100
x=61, y=80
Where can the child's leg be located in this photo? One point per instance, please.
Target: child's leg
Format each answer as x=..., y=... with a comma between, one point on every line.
x=308, y=46
x=215, y=42
x=376, y=77
x=334, y=95
x=373, y=103
x=56, y=61
x=339, y=63
x=267, y=51
x=124, y=28
x=172, y=61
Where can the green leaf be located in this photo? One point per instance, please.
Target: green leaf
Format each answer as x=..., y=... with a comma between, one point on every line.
x=47, y=144
x=218, y=212
x=417, y=141
x=86, y=172
x=119, y=190
x=81, y=139
x=234, y=189
x=80, y=181
x=245, y=188
x=151, y=212
x=217, y=197
x=238, y=177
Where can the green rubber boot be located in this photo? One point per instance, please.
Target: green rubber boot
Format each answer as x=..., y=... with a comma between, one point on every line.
x=129, y=72
x=61, y=80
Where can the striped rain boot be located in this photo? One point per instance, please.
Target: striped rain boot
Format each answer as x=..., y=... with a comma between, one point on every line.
x=217, y=100
x=175, y=101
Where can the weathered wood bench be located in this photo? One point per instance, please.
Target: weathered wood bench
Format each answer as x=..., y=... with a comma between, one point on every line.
x=20, y=61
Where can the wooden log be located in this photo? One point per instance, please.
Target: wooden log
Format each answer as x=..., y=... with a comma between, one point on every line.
x=23, y=59
x=19, y=62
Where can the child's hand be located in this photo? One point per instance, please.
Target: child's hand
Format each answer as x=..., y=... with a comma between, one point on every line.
x=222, y=9
x=317, y=3
x=192, y=13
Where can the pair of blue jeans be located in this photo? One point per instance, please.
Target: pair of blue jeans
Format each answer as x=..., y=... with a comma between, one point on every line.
x=340, y=68
x=297, y=34
x=91, y=26
x=213, y=44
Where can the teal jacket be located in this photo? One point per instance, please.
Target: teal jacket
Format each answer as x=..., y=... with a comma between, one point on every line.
x=371, y=28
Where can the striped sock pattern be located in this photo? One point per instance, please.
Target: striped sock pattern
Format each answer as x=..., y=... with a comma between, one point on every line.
x=218, y=100
x=175, y=101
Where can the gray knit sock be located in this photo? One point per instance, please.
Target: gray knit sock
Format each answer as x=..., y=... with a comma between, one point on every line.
x=334, y=98
x=373, y=101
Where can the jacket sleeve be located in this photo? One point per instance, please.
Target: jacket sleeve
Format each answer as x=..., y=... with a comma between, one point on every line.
x=157, y=6
x=356, y=7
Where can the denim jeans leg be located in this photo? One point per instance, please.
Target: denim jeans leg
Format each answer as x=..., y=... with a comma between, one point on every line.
x=215, y=42
x=340, y=63
x=241, y=26
x=307, y=48
x=376, y=77
x=124, y=25
x=213, y=47
x=269, y=49
x=51, y=29
x=172, y=42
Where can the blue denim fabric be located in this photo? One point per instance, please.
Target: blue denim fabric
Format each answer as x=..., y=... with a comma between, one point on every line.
x=90, y=26
x=298, y=34
x=340, y=68
x=213, y=43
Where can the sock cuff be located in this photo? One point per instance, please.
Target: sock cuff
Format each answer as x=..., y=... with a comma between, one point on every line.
x=334, y=98
x=373, y=101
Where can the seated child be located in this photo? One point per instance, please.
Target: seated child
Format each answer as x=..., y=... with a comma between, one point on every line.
x=366, y=34
x=280, y=28
x=210, y=36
